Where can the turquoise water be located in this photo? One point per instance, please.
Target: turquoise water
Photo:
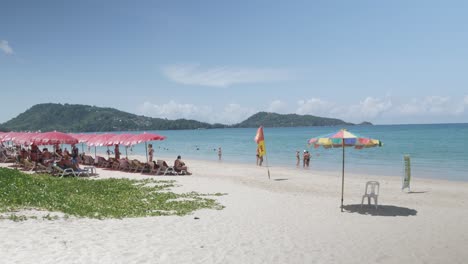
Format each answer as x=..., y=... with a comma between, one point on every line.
x=436, y=150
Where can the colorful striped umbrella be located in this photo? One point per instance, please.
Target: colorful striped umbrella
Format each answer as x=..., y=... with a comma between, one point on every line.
x=342, y=139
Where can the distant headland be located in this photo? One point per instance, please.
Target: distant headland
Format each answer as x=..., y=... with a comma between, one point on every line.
x=86, y=118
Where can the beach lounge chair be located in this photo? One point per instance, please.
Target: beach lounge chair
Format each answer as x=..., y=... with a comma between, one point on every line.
x=69, y=171
x=154, y=169
x=40, y=168
x=124, y=165
x=165, y=169
x=28, y=165
x=138, y=166
x=103, y=163
x=6, y=158
x=88, y=160
x=372, y=191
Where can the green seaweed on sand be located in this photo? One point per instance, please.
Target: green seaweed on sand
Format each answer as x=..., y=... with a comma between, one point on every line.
x=103, y=198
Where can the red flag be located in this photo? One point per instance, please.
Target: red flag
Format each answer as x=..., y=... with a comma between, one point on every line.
x=260, y=139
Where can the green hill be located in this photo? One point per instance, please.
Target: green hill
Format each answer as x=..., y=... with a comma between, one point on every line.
x=289, y=120
x=84, y=118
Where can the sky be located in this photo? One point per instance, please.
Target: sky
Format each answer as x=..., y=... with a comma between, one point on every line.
x=386, y=62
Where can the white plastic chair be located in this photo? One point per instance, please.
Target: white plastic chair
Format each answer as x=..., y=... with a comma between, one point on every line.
x=372, y=192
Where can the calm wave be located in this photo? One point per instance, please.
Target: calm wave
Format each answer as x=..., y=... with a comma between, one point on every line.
x=436, y=150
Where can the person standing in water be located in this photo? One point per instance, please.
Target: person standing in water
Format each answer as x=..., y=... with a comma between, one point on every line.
x=298, y=158
x=220, y=153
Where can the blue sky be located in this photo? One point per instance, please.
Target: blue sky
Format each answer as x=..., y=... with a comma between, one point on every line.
x=388, y=62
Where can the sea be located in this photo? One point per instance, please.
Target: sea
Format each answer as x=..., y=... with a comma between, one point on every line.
x=437, y=151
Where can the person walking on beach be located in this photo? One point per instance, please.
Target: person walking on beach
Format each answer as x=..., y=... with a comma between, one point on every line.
x=220, y=153
x=306, y=158
x=150, y=152
x=259, y=157
x=298, y=158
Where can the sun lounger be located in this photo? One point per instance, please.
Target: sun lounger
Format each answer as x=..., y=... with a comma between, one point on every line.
x=28, y=165
x=138, y=166
x=124, y=165
x=103, y=163
x=165, y=169
x=40, y=168
x=6, y=158
x=70, y=171
x=153, y=168
x=88, y=160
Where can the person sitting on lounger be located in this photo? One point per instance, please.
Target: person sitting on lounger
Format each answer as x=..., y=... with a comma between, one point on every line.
x=180, y=166
x=66, y=163
x=46, y=156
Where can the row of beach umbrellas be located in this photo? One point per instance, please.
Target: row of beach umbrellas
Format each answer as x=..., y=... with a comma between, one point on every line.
x=97, y=140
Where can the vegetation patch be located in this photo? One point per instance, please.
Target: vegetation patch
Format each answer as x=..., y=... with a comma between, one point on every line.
x=106, y=198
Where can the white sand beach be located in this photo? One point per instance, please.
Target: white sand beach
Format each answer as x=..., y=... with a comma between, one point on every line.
x=292, y=218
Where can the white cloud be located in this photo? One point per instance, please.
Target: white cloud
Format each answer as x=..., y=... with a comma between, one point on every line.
x=316, y=106
x=370, y=108
x=193, y=74
x=431, y=105
x=373, y=109
x=277, y=106
x=5, y=47
x=230, y=114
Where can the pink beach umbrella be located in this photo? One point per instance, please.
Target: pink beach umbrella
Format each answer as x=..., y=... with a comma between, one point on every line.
x=83, y=138
x=120, y=139
x=145, y=137
x=99, y=140
x=2, y=134
x=54, y=138
x=25, y=138
x=10, y=136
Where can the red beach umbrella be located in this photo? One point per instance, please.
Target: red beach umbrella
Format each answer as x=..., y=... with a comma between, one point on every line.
x=145, y=137
x=25, y=138
x=99, y=140
x=10, y=136
x=119, y=139
x=53, y=138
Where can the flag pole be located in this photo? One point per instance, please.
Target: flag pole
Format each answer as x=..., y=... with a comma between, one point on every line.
x=261, y=149
x=268, y=168
x=342, y=174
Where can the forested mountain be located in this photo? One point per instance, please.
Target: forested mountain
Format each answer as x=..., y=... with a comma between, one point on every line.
x=290, y=120
x=85, y=118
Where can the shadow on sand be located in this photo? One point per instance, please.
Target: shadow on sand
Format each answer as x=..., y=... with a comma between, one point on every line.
x=416, y=192
x=382, y=210
x=280, y=179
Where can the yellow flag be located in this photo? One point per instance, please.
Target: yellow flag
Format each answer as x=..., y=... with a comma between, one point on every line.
x=260, y=139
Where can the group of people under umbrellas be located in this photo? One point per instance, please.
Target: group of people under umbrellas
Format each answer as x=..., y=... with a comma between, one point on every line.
x=67, y=159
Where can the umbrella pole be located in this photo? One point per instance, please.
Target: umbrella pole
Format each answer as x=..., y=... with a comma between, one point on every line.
x=126, y=155
x=146, y=151
x=342, y=176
